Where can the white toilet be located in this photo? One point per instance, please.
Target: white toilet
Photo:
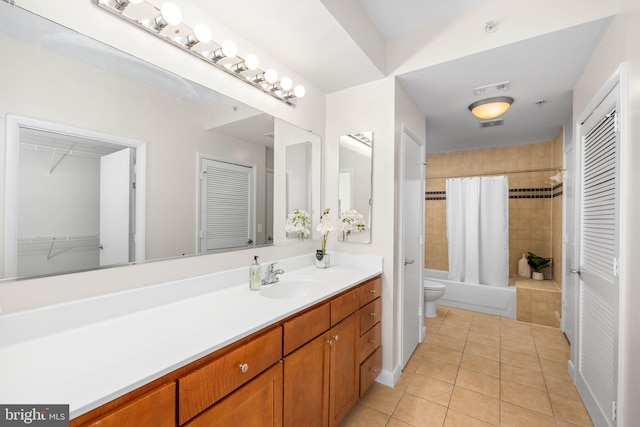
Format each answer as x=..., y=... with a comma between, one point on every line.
x=432, y=291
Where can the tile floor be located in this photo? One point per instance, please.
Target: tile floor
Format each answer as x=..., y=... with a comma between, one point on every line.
x=475, y=369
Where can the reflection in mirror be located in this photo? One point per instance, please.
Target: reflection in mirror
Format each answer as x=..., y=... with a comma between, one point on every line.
x=354, y=187
x=78, y=86
x=297, y=156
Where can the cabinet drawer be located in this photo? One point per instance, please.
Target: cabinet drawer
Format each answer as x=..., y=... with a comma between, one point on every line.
x=370, y=341
x=154, y=409
x=205, y=386
x=370, y=290
x=370, y=314
x=344, y=305
x=258, y=403
x=369, y=370
x=305, y=327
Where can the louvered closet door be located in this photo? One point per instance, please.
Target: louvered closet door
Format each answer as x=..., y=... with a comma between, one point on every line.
x=226, y=205
x=599, y=242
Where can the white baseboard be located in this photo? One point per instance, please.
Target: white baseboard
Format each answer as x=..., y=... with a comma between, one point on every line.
x=572, y=370
x=389, y=378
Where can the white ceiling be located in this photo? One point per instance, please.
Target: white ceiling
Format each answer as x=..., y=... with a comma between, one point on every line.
x=544, y=68
x=401, y=17
x=322, y=40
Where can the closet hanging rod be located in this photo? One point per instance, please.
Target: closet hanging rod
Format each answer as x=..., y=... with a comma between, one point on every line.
x=48, y=149
x=58, y=237
x=465, y=175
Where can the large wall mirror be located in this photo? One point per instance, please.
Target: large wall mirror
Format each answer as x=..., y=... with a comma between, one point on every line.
x=354, y=187
x=109, y=159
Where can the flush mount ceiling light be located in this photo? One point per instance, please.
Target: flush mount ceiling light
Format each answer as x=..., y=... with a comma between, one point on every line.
x=491, y=108
x=166, y=23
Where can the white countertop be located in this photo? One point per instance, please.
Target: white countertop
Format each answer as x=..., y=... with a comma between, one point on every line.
x=89, y=352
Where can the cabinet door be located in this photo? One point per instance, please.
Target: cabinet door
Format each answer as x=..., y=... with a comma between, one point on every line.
x=306, y=384
x=345, y=372
x=256, y=404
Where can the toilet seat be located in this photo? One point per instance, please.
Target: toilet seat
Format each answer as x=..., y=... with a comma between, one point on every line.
x=430, y=285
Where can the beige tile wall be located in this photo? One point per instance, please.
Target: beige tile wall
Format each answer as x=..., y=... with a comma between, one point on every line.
x=531, y=221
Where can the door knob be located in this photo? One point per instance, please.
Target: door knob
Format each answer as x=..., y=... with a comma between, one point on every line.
x=409, y=261
x=576, y=271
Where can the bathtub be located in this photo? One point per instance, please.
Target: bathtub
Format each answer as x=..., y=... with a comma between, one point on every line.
x=484, y=299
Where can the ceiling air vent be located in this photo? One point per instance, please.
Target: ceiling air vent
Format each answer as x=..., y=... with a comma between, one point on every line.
x=491, y=123
x=496, y=87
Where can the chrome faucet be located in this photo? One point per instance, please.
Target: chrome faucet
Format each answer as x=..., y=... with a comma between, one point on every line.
x=271, y=275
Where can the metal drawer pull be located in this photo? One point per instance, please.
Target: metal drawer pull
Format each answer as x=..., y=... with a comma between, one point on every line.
x=372, y=341
x=330, y=342
x=335, y=337
x=372, y=314
x=374, y=370
x=373, y=291
x=244, y=367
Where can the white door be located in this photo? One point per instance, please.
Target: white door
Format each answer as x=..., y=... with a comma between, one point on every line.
x=115, y=202
x=226, y=206
x=598, y=312
x=412, y=248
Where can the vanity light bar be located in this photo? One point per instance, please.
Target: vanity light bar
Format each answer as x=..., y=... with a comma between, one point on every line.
x=166, y=24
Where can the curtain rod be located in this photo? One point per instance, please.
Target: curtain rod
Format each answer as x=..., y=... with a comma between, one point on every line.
x=463, y=175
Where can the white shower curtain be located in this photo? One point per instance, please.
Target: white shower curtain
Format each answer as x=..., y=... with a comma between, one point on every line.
x=478, y=230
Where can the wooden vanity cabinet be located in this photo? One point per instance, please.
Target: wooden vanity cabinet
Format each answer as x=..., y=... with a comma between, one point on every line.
x=308, y=370
x=321, y=378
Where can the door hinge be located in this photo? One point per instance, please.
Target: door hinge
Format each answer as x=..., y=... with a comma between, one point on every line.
x=133, y=185
x=616, y=123
x=614, y=410
x=615, y=267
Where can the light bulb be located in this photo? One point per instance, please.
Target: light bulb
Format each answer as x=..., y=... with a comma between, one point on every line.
x=271, y=76
x=286, y=83
x=251, y=62
x=202, y=33
x=229, y=48
x=169, y=15
x=299, y=91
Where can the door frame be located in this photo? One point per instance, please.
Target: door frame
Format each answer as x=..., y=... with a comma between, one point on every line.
x=14, y=123
x=405, y=131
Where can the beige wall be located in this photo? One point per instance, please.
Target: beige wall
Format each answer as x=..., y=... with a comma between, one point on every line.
x=531, y=220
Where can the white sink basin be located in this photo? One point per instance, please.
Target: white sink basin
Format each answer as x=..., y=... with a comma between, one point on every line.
x=293, y=288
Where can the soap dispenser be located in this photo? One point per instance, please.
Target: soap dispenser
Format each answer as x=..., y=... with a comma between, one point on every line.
x=255, y=275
